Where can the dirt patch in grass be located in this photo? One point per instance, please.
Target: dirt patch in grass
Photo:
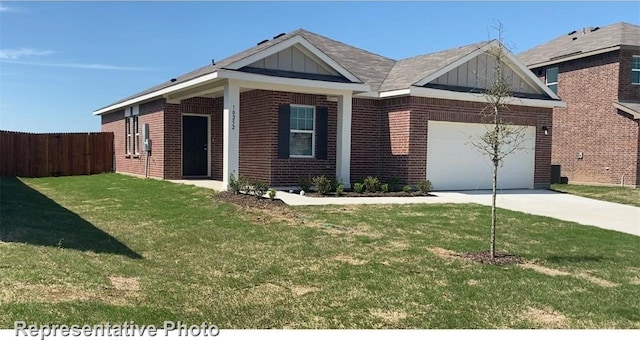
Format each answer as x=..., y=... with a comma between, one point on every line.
x=361, y=229
x=350, y=260
x=266, y=209
x=483, y=257
x=266, y=293
x=389, y=316
x=472, y=282
x=547, y=318
x=555, y=272
x=125, y=283
x=43, y=293
x=543, y=269
x=248, y=201
x=635, y=281
x=600, y=282
x=302, y=290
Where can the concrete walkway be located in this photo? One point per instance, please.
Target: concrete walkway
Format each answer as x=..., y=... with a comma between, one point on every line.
x=613, y=216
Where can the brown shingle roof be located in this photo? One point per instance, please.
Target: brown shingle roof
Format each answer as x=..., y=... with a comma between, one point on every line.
x=379, y=72
x=583, y=41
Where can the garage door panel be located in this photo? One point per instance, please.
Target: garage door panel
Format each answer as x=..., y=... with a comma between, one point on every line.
x=453, y=163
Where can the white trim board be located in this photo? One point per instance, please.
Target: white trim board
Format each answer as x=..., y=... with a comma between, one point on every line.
x=476, y=97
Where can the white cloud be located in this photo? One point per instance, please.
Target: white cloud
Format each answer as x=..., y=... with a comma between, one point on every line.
x=8, y=54
x=4, y=8
x=77, y=65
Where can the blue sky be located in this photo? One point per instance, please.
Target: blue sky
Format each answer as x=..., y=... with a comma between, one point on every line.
x=59, y=61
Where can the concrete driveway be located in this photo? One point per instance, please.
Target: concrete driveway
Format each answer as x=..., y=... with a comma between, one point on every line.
x=620, y=217
x=613, y=216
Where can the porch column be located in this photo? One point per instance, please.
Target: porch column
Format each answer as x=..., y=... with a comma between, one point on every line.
x=343, y=140
x=231, y=132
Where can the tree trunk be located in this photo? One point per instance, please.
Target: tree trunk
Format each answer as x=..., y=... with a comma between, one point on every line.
x=493, y=210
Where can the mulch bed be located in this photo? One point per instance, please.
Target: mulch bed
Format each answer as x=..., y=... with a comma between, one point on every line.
x=248, y=201
x=485, y=257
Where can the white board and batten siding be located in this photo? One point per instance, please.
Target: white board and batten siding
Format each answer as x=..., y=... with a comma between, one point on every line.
x=480, y=71
x=294, y=59
x=454, y=164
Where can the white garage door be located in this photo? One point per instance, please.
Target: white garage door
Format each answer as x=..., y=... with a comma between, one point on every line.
x=454, y=164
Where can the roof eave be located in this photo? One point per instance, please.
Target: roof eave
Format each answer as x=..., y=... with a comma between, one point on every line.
x=573, y=57
x=622, y=107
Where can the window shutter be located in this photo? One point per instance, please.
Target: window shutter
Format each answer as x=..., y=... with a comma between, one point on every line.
x=322, y=122
x=284, y=114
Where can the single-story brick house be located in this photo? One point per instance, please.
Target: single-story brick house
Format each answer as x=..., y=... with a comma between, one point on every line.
x=303, y=104
x=596, y=71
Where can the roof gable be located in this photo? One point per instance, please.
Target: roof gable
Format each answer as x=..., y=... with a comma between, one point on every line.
x=279, y=56
x=588, y=40
x=476, y=71
x=407, y=72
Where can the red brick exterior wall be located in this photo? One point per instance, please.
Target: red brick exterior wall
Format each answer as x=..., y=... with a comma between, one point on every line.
x=626, y=90
x=411, y=167
x=149, y=113
x=389, y=137
x=288, y=171
x=607, y=137
x=365, y=138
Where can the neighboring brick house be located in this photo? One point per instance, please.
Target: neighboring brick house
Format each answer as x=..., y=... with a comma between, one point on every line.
x=596, y=71
x=302, y=104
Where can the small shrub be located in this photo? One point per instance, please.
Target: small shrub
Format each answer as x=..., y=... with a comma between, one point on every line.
x=339, y=189
x=394, y=183
x=259, y=187
x=322, y=184
x=358, y=187
x=334, y=184
x=371, y=184
x=272, y=194
x=244, y=184
x=407, y=189
x=234, y=184
x=304, y=183
x=384, y=188
x=424, y=186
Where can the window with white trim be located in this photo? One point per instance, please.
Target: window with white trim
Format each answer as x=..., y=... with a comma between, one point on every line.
x=136, y=136
x=635, y=70
x=552, y=79
x=301, y=131
x=127, y=134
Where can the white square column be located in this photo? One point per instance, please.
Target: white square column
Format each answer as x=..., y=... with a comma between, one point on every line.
x=230, y=132
x=343, y=140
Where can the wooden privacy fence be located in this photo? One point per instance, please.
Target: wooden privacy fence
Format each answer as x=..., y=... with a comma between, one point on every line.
x=55, y=154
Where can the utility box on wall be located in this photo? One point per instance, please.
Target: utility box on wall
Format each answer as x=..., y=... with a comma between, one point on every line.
x=146, y=138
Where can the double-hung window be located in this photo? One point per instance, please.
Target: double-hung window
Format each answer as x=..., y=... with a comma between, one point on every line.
x=301, y=131
x=131, y=131
x=635, y=70
x=136, y=136
x=127, y=135
x=552, y=79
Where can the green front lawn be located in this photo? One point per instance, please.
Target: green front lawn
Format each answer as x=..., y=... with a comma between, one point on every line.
x=623, y=195
x=91, y=249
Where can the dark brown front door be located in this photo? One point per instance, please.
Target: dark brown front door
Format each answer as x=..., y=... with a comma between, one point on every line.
x=195, y=146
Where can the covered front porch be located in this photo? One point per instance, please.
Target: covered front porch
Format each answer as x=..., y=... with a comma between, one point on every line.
x=263, y=133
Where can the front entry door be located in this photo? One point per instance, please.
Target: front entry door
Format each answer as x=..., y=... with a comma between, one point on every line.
x=195, y=146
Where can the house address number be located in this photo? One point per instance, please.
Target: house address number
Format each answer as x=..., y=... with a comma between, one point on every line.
x=233, y=117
